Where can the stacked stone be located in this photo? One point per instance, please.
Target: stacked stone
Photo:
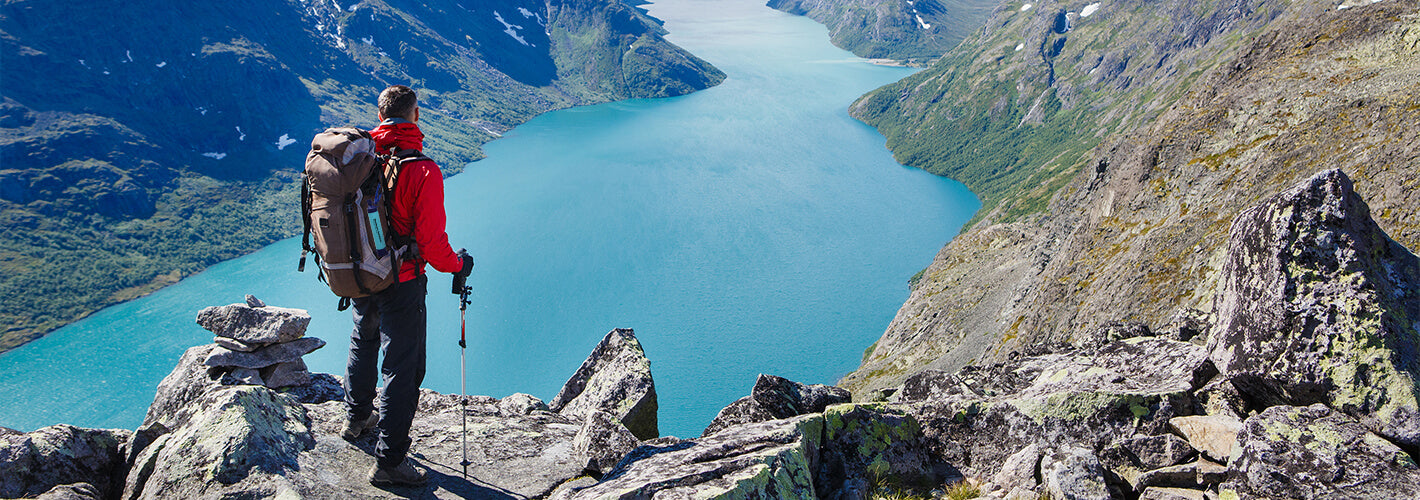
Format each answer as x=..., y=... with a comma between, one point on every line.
x=259, y=345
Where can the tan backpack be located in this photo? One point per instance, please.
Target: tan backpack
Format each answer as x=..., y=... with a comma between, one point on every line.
x=345, y=204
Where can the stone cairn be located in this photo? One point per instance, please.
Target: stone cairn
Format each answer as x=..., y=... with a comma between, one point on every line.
x=259, y=344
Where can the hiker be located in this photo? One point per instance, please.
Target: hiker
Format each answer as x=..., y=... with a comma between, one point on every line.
x=394, y=319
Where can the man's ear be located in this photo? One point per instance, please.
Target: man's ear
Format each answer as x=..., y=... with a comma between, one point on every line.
x=416, y=114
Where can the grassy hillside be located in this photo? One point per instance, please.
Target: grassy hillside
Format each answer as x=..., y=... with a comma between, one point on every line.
x=915, y=32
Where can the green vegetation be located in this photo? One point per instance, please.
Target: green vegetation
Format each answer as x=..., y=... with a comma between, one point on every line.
x=890, y=29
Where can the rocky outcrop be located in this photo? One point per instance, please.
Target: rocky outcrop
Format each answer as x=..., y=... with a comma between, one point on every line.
x=777, y=398
x=1317, y=452
x=62, y=460
x=615, y=378
x=1318, y=305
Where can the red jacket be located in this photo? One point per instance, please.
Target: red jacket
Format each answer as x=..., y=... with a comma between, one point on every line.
x=418, y=201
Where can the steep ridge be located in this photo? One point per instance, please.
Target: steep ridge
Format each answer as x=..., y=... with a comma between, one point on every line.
x=142, y=143
x=1132, y=236
x=912, y=31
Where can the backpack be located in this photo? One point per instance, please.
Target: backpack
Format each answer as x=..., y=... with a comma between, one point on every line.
x=346, y=200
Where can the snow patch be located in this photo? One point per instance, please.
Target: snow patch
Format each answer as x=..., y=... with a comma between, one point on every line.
x=511, y=29
x=243, y=135
x=161, y=64
x=130, y=55
x=1089, y=9
x=284, y=141
x=369, y=40
x=82, y=63
x=1025, y=7
x=105, y=72
x=1355, y=3
x=353, y=7
x=337, y=5
x=1020, y=46
x=215, y=156
x=201, y=110
x=924, y=24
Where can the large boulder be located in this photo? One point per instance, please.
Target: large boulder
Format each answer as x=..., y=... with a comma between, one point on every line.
x=255, y=325
x=1316, y=304
x=773, y=459
x=1317, y=452
x=189, y=380
x=1216, y=436
x=226, y=435
x=615, y=378
x=49, y=458
x=602, y=442
x=774, y=398
x=1088, y=400
x=865, y=444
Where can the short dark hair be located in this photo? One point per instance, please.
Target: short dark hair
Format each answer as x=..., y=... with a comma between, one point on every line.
x=398, y=101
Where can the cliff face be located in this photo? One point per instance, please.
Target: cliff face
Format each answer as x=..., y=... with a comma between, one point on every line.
x=1134, y=236
x=140, y=143
x=912, y=31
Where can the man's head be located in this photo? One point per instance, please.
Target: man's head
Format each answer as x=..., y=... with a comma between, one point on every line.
x=399, y=101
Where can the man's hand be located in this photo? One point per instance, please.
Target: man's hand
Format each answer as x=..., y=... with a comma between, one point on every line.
x=461, y=277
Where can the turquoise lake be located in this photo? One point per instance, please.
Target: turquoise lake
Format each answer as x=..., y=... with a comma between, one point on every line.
x=750, y=228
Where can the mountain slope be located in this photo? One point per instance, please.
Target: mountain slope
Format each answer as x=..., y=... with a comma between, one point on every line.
x=140, y=143
x=1113, y=204
x=913, y=31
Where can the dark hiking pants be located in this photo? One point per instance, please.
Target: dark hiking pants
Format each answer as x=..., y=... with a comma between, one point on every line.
x=390, y=324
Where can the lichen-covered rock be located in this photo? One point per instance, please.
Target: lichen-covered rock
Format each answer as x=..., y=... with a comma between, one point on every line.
x=1019, y=470
x=76, y=491
x=1317, y=452
x=602, y=442
x=874, y=442
x=615, y=378
x=932, y=385
x=1088, y=399
x=255, y=325
x=1195, y=475
x=1129, y=458
x=228, y=434
x=521, y=404
x=1316, y=304
x=1160, y=493
x=38, y=462
x=285, y=352
x=286, y=374
x=774, y=398
x=1073, y=473
x=772, y=459
x=189, y=380
x=1216, y=436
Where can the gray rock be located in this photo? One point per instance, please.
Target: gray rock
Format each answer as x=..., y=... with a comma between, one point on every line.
x=615, y=378
x=264, y=357
x=187, y=382
x=228, y=434
x=255, y=325
x=1317, y=452
x=774, y=398
x=1221, y=398
x=237, y=345
x=1213, y=435
x=602, y=442
x=76, y=491
x=932, y=384
x=1129, y=458
x=243, y=376
x=521, y=404
x=254, y=302
x=1160, y=493
x=772, y=459
x=1019, y=470
x=1113, y=331
x=288, y=374
x=1197, y=475
x=1316, y=304
x=1124, y=388
x=1073, y=473
x=323, y=387
x=871, y=443
x=37, y=462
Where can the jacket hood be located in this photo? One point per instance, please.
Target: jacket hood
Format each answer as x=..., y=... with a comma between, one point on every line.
x=397, y=133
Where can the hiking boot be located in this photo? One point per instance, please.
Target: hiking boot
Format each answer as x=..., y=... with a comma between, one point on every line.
x=354, y=427
x=404, y=475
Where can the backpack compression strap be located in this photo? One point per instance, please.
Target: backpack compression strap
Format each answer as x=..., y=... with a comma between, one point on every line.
x=305, y=222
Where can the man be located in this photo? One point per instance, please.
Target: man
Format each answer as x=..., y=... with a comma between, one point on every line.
x=394, y=319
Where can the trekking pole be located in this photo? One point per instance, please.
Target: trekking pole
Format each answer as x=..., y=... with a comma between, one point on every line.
x=461, y=287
